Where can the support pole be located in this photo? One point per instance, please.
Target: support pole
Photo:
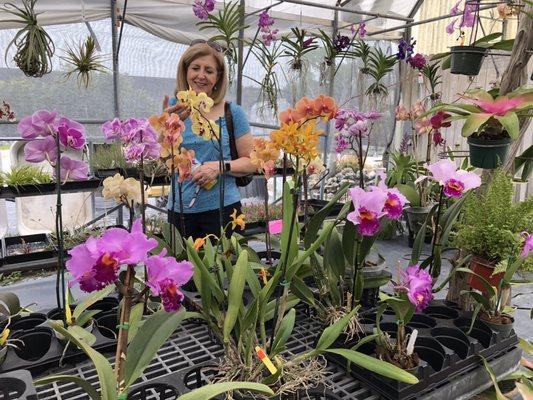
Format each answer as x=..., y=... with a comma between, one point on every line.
x=114, y=44
x=240, y=54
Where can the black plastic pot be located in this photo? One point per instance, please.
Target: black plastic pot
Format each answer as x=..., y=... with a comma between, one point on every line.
x=431, y=351
x=107, y=324
x=466, y=60
x=35, y=343
x=504, y=329
x=480, y=331
x=416, y=216
x=159, y=390
x=488, y=154
x=17, y=385
x=29, y=322
x=452, y=338
x=106, y=172
x=441, y=312
x=104, y=305
x=420, y=321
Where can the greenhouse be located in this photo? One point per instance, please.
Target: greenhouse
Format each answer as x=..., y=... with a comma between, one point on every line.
x=266, y=199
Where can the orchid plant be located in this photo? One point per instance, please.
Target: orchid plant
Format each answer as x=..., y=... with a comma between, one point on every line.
x=297, y=48
x=412, y=293
x=468, y=18
x=489, y=115
x=6, y=113
x=95, y=265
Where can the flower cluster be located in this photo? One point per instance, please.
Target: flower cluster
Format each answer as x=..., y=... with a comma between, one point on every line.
x=137, y=135
x=97, y=262
x=373, y=204
x=182, y=163
x=127, y=191
x=340, y=43
x=202, y=9
x=237, y=220
x=528, y=244
x=6, y=114
x=360, y=30
x=417, y=284
x=422, y=125
x=454, y=181
x=42, y=129
x=170, y=130
x=265, y=27
x=438, y=121
x=352, y=124
x=468, y=18
x=418, y=61
x=199, y=103
x=405, y=49
x=298, y=140
x=264, y=156
x=306, y=109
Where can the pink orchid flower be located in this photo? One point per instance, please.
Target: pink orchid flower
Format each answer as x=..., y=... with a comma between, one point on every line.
x=418, y=284
x=455, y=181
x=528, y=244
x=40, y=150
x=71, y=134
x=112, y=129
x=369, y=208
x=41, y=123
x=72, y=169
x=96, y=263
x=166, y=276
x=395, y=201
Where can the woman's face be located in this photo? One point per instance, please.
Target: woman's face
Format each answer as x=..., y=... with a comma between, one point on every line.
x=202, y=74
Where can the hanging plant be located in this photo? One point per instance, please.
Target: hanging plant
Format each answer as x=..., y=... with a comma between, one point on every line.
x=431, y=72
x=362, y=51
x=298, y=47
x=34, y=46
x=268, y=56
x=84, y=61
x=227, y=23
x=380, y=65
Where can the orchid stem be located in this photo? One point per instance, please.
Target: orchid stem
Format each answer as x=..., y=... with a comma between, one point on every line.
x=436, y=233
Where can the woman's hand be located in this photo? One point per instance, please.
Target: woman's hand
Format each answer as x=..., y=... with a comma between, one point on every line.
x=180, y=109
x=205, y=173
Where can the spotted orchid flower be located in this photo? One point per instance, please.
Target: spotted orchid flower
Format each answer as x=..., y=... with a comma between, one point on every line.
x=369, y=208
x=454, y=181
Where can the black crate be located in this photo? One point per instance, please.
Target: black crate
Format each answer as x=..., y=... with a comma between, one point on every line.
x=7, y=242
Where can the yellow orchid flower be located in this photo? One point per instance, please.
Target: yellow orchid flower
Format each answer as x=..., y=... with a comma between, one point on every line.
x=187, y=96
x=237, y=220
x=203, y=102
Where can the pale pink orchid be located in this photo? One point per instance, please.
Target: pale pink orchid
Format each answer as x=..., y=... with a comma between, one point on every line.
x=72, y=169
x=40, y=150
x=96, y=263
x=369, y=208
x=41, y=123
x=454, y=181
x=528, y=244
x=112, y=129
x=166, y=276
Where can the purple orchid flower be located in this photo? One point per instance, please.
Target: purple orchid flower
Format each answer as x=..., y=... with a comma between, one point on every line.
x=418, y=61
x=418, y=284
x=202, y=10
x=96, y=263
x=112, y=129
x=369, y=208
x=166, y=276
x=308, y=42
x=455, y=9
x=72, y=169
x=528, y=244
x=41, y=123
x=450, y=28
x=342, y=144
x=40, y=150
x=395, y=201
x=455, y=181
x=405, y=49
x=71, y=134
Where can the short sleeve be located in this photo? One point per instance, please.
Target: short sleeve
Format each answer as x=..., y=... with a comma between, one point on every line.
x=240, y=120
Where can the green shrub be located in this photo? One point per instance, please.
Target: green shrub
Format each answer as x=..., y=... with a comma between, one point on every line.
x=491, y=224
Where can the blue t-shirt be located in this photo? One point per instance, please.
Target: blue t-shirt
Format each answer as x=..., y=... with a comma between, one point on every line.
x=205, y=150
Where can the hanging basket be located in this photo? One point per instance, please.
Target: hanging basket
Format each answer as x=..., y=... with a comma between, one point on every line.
x=488, y=154
x=467, y=60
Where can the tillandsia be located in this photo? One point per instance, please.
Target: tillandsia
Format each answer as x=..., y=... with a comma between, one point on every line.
x=34, y=46
x=298, y=47
x=83, y=61
x=412, y=293
x=95, y=265
x=49, y=135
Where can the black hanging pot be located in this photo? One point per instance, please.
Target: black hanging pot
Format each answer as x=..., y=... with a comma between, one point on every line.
x=488, y=154
x=466, y=60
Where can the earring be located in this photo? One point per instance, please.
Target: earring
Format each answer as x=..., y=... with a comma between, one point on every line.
x=215, y=87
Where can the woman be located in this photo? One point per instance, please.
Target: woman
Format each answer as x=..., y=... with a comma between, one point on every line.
x=203, y=69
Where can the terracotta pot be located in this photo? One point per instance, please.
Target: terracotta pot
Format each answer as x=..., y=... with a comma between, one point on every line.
x=485, y=269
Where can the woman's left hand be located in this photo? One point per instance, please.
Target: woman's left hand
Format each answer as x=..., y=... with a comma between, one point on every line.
x=205, y=173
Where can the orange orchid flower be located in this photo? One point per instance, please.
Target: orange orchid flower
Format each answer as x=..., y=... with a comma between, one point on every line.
x=305, y=107
x=325, y=106
x=289, y=115
x=183, y=162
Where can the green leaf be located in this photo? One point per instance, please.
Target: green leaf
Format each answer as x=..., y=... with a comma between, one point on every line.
x=289, y=245
x=283, y=333
x=331, y=333
x=499, y=394
x=410, y=193
x=503, y=45
x=86, y=316
x=90, y=300
x=12, y=302
x=488, y=38
x=478, y=297
x=333, y=255
x=106, y=376
x=488, y=287
x=150, y=337
x=375, y=365
x=212, y=390
x=82, y=335
x=136, y=316
x=473, y=122
x=302, y=291
x=526, y=346
x=511, y=124
x=236, y=288
x=82, y=383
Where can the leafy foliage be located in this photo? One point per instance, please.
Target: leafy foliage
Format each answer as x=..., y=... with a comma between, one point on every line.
x=431, y=72
x=25, y=174
x=362, y=51
x=379, y=65
x=297, y=48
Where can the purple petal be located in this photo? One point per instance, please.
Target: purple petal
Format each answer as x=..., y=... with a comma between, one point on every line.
x=450, y=28
x=41, y=150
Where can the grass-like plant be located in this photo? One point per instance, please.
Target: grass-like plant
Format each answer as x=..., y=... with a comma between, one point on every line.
x=34, y=46
x=83, y=60
x=25, y=174
x=108, y=156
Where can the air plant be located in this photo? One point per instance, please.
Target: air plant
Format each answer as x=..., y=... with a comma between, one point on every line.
x=268, y=57
x=34, y=46
x=84, y=60
x=297, y=48
x=379, y=65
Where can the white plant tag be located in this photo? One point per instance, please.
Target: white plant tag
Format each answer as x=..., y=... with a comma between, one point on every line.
x=411, y=343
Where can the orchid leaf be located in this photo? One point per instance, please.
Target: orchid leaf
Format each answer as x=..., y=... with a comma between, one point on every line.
x=90, y=300
x=332, y=332
x=499, y=394
x=214, y=389
x=488, y=287
x=285, y=330
x=235, y=291
x=473, y=122
x=410, y=193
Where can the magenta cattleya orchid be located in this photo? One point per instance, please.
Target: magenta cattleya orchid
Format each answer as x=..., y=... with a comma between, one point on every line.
x=528, y=244
x=96, y=263
x=166, y=276
x=395, y=201
x=369, y=208
x=72, y=169
x=40, y=150
x=454, y=181
x=418, y=284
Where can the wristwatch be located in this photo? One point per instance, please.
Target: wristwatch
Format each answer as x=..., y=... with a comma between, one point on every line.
x=227, y=166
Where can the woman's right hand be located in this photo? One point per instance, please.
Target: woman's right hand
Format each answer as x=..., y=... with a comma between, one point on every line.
x=180, y=109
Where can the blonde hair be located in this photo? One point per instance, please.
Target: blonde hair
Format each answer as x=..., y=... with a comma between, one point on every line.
x=191, y=54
